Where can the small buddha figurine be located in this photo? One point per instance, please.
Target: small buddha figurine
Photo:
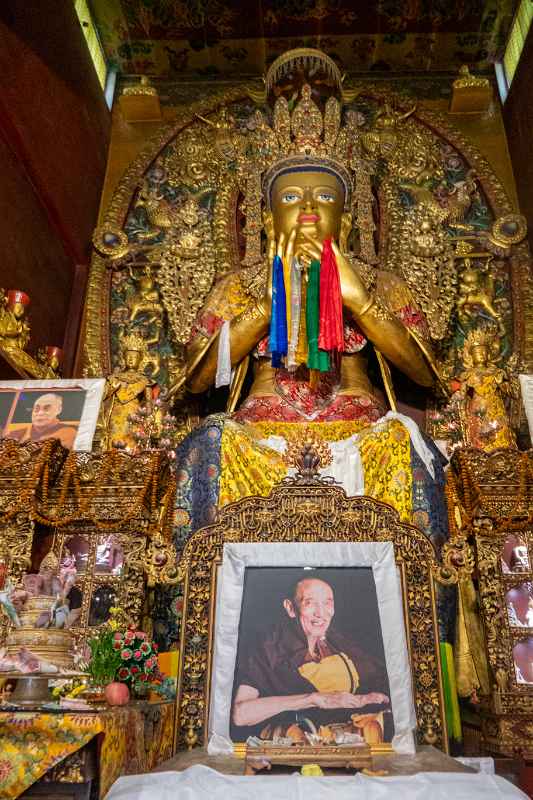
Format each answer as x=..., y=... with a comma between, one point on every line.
x=481, y=388
x=14, y=328
x=127, y=391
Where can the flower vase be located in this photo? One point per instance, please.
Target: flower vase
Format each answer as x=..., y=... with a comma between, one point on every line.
x=117, y=694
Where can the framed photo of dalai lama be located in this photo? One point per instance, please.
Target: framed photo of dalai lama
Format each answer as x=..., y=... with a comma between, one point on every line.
x=32, y=411
x=310, y=647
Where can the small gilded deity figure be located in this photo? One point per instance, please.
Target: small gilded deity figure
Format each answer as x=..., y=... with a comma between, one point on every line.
x=476, y=291
x=127, y=391
x=14, y=328
x=15, y=335
x=482, y=388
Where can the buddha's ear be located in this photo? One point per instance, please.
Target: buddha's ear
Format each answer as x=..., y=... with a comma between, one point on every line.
x=346, y=229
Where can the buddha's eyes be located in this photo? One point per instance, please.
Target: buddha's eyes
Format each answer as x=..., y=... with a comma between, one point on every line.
x=326, y=197
x=290, y=197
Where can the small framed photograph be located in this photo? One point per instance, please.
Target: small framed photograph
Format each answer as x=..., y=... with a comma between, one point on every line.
x=310, y=645
x=519, y=602
x=32, y=411
x=523, y=661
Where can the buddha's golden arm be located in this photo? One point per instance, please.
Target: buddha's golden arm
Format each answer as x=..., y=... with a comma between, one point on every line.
x=246, y=331
x=393, y=340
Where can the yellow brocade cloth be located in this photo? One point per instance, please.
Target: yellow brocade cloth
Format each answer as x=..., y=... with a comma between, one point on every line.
x=471, y=666
x=250, y=467
x=33, y=743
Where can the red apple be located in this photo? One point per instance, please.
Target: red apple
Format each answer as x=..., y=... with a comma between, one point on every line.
x=117, y=694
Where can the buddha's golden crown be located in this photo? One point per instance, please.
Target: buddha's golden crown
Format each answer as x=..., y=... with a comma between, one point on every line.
x=133, y=342
x=302, y=138
x=485, y=336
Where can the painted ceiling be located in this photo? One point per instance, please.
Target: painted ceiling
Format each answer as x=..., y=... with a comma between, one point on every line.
x=229, y=37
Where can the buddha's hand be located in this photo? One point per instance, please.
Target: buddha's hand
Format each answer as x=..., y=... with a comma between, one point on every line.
x=354, y=293
x=284, y=248
x=347, y=700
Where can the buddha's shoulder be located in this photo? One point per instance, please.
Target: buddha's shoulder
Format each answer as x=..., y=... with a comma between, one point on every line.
x=393, y=289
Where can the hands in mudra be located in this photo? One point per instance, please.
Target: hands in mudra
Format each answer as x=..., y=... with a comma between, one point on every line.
x=300, y=244
x=331, y=700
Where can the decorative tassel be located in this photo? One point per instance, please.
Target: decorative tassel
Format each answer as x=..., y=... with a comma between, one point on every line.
x=278, y=343
x=302, y=350
x=223, y=375
x=331, y=329
x=295, y=306
x=317, y=359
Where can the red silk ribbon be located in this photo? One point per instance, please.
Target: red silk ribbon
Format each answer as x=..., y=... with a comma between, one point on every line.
x=331, y=325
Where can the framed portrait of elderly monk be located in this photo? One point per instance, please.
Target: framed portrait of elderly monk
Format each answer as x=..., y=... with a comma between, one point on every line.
x=64, y=409
x=310, y=647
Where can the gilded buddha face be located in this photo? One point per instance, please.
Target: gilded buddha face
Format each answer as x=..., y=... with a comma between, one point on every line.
x=311, y=201
x=132, y=359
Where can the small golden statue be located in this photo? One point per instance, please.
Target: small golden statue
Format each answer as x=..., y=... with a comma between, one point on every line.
x=127, y=391
x=476, y=290
x=145, y=299
x=481, y=388
x=14, y=328
x=382, y=140
x=15, y=335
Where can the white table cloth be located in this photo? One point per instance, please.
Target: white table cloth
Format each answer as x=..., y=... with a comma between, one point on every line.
x=202, y=783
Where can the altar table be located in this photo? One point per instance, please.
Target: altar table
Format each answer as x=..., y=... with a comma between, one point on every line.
x=429, y=773
x=36, y=746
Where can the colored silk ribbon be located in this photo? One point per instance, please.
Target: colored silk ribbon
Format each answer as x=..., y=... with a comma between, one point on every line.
x=223, y=375
x=316, y=359
x=278, y=343
x=331, y=325
x=293, y=326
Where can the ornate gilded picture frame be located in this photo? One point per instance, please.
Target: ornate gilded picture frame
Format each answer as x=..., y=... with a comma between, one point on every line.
x=307, y=511
x=64, y=409
x=276, y=600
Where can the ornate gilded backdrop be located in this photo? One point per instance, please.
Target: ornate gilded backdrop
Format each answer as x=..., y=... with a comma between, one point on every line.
x=426, y=207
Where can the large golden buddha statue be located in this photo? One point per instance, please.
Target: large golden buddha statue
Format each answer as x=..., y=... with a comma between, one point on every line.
x=310, y=306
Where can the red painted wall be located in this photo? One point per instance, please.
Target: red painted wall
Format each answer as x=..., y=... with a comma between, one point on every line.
x=54, y=127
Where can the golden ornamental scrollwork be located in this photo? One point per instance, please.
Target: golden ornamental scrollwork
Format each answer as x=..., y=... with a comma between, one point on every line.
x=457, y=560
x=307, y=510
x=187, y=269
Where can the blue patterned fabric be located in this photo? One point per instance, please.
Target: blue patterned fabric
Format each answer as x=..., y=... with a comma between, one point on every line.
x=431, y=516
x=198, y=478
x=278, y=341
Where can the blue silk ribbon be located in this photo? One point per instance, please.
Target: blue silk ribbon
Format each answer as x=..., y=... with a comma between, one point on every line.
x=278, y=343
